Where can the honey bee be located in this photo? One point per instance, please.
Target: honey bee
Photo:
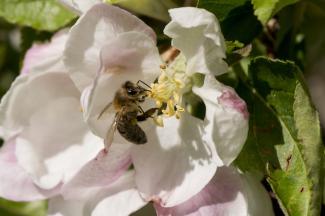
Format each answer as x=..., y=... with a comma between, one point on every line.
x=128, y=112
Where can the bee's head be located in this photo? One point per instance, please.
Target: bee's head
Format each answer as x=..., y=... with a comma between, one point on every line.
x=135, y=92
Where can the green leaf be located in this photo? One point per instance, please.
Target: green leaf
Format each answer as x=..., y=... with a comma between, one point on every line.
x=10, y=208
x=265, y=9
x=30, y=36
x=314, y=17
x=241, y=24
x=157, y=9
x=39, y=14
x=233, y=45
x=236, y=51
x=284, y=135
x=220, y=8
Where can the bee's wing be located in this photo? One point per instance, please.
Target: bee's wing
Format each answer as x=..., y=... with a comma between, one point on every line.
x=110, y=134
x=106, y=109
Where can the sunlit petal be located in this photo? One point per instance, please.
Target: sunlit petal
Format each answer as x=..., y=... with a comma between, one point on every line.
x=196, y=32
x=226, y=118
x=97, y=27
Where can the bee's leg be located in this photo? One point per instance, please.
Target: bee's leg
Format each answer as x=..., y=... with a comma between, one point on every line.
x=141, y=110
x=140, y=81
x=104, y=110
x=147, y=114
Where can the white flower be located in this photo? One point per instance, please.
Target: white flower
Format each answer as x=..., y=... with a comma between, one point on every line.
x=49, y=151
x=46, y=140
x=107, y=47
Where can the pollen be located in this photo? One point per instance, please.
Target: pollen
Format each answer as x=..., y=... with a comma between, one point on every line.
x=167, y=92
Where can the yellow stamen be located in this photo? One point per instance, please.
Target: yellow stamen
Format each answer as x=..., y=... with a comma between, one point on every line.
x=167, y=91
x=159, y=121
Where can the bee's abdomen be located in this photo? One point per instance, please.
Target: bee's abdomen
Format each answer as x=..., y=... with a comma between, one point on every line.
x=132, y=132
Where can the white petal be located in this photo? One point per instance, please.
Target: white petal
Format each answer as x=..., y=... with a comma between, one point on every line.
x=226, y=118
x=30, y=92
x=16, y=184
x=131, y=52
x=46, y=57
x=226, y=194
x=54, y=147
x=79, y=6
x=97, y=27
x=129, y=57
x=196, y=32
x=176, y=163
x=259, y=202
x=103, y=170
x=118, y=199
x=54, y=141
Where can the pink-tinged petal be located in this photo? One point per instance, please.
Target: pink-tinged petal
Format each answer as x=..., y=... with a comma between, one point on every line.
x=79, y=6
x=16, y=184
x=226, y=194
x=46, y=57
x=176, y=163
x=229, y=98
x=201, y=30
x=222, y=196
x=96, y=28
x=103, y=170
x=226, y=118
x=129, y=57
x=119, y=199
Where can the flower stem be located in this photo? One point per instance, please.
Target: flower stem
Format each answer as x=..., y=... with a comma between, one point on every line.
x=240, y=72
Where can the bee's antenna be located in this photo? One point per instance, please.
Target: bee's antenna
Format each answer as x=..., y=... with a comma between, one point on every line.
x=140, y=81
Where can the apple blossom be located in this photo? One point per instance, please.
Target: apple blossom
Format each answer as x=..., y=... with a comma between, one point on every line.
x=46, y=141
x=108, y=46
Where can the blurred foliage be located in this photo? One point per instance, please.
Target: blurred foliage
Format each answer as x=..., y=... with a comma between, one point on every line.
x=265, y=9
x=237, y=19
x=8, y=208
x=14, y=42
x=157, y=9
x=39, y=14
x=221, y=8
x=9, y=55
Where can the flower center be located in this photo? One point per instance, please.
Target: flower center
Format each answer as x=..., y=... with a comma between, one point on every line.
x=168, y=90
